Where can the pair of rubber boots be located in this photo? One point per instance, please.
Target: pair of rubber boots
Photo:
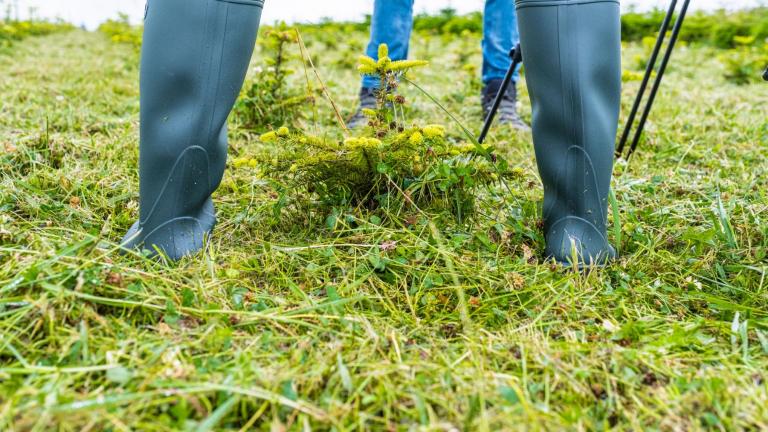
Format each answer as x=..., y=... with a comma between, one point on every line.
x=195, y=57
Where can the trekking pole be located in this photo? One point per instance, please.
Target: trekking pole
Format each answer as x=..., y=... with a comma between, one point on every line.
x=517, y=58
x=647, y=77
x=662, y=68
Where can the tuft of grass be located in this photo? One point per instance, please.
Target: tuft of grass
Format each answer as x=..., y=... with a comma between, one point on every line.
x=421, y=323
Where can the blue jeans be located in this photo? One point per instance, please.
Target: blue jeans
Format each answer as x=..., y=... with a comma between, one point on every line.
x=392, y=22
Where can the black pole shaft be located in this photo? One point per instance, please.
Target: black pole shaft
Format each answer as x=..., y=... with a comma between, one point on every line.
x=662, y=69
x=647, y=77
x=516, y=56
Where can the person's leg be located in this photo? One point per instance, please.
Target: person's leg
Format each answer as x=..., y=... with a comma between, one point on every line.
x=391, y=23
x=572, y=55
x=500, y=35
x=194, y=59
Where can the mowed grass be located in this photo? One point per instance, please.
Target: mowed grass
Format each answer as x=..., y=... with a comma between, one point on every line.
x=287, y=322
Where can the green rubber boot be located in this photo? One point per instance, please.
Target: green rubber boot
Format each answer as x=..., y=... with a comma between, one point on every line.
x=194, y=59
x=572, y=55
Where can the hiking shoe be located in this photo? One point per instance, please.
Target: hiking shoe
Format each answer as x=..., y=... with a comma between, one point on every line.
x=367, y=101
x=507, y=114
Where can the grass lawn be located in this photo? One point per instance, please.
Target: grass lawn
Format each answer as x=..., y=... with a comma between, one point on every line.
x=288, y=322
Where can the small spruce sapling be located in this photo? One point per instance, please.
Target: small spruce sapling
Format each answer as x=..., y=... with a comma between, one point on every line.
x=387, y=164
x=268, y=101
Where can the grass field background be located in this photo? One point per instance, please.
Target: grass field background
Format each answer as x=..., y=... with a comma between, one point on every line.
x=289, y=323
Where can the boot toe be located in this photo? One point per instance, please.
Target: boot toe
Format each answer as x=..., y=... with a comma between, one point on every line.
x=576, y=242
x=175, y=239
x=357, y=121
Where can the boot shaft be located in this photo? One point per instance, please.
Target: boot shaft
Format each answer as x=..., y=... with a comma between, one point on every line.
x=572, y=57
x=194, y=59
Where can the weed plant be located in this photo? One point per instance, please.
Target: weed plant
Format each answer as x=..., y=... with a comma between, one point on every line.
x=267, y=101
x=745, y=63
x=120, y=30
x=12, y=31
